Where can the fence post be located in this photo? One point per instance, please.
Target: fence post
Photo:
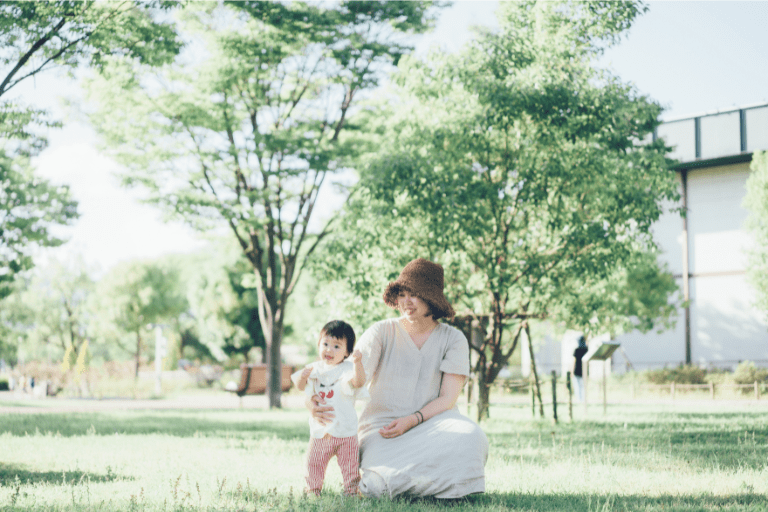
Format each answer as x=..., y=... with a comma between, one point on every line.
x=672, y=390
x=605, y=387
x=757, y=391
x=554, y=396
x=533, y=397
x=570, y=395
x=712, y=390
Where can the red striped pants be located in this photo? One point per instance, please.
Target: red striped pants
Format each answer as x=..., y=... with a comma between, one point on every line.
x=320, y=453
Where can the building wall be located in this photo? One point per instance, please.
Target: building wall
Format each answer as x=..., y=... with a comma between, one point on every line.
x=725, y=326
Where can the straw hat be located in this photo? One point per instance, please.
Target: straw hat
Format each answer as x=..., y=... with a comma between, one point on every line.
x=424, y=279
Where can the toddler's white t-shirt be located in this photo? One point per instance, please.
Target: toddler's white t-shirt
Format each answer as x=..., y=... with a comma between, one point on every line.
x=331, y=382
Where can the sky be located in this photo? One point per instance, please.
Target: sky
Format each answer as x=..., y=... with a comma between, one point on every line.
x=692, y=57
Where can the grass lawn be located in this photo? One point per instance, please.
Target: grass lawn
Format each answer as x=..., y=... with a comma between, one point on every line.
x=638, y=458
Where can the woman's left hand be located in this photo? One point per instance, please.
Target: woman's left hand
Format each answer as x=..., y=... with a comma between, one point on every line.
x=399, y=426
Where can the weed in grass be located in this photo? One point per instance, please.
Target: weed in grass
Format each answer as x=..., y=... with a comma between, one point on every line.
x=16, y=492
x=175, y=491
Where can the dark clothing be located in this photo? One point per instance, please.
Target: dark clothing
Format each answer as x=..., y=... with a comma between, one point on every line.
x=578, y=354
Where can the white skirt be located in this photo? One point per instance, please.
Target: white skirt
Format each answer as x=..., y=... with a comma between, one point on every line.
x=444, y=457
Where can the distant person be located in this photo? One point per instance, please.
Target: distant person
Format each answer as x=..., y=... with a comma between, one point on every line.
x=578, y=369
x=413, y=439
x=339, y=382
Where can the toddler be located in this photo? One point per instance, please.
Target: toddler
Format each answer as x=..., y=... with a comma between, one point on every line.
x=339, y=382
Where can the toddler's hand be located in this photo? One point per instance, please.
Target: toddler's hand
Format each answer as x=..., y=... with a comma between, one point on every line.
x=357, y=356
x=306, y=372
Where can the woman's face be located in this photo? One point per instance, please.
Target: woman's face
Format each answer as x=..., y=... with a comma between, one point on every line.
x=411, y=307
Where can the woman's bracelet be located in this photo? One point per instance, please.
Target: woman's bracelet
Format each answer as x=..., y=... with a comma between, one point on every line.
x=420, y=417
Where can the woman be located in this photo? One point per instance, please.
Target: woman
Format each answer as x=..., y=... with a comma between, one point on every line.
x=413, y=440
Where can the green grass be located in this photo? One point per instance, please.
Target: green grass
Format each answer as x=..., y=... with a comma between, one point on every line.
x=638, y=458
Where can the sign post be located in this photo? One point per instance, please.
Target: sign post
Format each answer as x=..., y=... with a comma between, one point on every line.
x=161, y=347
x=602, y=352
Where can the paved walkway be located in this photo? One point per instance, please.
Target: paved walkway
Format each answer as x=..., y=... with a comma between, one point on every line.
x=21, y=403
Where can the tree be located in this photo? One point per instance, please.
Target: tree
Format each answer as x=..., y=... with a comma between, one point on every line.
x=29, y=208
x=15, y=320
x=519, y=166
x=224, y=318
x=635, y=296
x=244, y=314
x=37, y=37
x=249, y=129
x=756, y=201
x=46, y=313
x=57, y=296
x=133, y=296
x=40, y=36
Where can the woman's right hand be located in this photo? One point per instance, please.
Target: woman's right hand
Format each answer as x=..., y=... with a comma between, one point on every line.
x=322, y=413
x=399, y=426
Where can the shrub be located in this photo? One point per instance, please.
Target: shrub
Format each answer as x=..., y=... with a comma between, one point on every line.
x=4, y=384
x=683, y=374
x=747, y=373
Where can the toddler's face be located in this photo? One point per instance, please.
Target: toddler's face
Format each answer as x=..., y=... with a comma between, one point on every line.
x=332, y=350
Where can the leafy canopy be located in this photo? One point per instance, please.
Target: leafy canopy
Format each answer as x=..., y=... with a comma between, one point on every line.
x=36, y=37
x=520, y=166
x=29, y=208
x=247, y=129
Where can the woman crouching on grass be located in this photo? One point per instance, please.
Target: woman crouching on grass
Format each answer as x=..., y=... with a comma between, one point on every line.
x=413, y=440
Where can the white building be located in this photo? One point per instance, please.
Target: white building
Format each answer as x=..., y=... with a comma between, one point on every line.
x=705, y=250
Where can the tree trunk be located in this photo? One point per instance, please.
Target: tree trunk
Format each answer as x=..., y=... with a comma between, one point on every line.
x=483, y=396
x=274, y=363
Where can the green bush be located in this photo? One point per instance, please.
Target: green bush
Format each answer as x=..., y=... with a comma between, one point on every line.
x=747, y=373
x=683, y=374
x=4, y=384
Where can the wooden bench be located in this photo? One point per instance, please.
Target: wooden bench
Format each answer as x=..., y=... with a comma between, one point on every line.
x=253, y=379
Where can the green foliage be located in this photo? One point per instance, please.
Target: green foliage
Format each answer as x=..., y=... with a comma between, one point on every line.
x=223, y=318
x=683, y=374
x=519, y=166
x=635, y=295
x=244, y=313
x=38, y=36
x=130, y=298
x=748, y=373
x=247, y=135
x=15, y=316
x=30, y=207
x=756, y=202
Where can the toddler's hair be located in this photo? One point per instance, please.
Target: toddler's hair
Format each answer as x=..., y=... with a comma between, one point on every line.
x=340, y=330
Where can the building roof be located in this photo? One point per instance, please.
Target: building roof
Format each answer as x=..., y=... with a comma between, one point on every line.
x=716, y=138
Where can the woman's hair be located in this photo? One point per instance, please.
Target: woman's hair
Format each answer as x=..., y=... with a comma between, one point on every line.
x=390, y=296
x=340, y=330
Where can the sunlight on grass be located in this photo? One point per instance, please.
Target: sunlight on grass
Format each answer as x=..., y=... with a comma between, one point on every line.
x=645, y=458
